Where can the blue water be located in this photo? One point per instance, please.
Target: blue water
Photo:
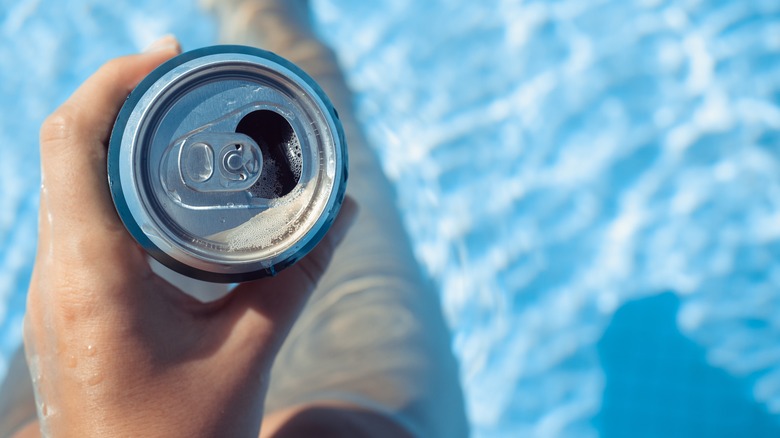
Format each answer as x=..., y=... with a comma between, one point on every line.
x=593, y=184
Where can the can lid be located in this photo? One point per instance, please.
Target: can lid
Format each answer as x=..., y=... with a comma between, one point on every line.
x=227, y=163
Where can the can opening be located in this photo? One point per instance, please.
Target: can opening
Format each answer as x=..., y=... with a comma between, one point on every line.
x=281, y=150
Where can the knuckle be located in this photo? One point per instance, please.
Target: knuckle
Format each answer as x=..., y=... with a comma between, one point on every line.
x=64, y=124
x=79, y=252
x=64, y=295
x=73, y=305
x=111, y=67
x=313, y=267
x=60, y=126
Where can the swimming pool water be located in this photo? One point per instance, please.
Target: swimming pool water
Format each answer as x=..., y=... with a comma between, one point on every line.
x=593, y=184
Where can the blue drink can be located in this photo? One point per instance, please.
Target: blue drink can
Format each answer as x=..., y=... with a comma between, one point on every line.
x=227, y=164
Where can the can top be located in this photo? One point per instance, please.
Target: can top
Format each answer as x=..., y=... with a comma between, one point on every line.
x=227, y=163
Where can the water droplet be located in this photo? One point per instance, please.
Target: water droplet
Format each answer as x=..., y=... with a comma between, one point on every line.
x=95, y=379
x=91, y=350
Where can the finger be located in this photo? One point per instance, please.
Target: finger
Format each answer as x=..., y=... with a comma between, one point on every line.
x=311, y=268
x=277, y=300
x=74, y=190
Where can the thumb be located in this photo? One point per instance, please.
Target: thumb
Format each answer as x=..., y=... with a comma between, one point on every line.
x=73, y=151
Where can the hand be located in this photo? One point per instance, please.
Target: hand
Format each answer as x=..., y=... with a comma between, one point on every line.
x=113, y=349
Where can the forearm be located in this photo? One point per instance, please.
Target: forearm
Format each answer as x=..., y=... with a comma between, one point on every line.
x=332, y=420
x=320, y=421
x=15, y=420
x=30, y=430
x=17, y=403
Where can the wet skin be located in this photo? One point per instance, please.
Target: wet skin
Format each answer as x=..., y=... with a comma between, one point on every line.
x=113, y=349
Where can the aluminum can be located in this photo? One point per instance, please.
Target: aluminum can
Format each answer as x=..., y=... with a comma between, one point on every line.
x=227, y=164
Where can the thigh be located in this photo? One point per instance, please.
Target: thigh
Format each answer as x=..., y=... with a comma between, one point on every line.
x=373, y=332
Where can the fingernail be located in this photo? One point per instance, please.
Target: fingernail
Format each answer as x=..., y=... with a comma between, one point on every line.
x=166, y=43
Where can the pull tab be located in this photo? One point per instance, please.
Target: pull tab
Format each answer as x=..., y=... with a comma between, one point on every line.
x=216, y=167
x=219, y=162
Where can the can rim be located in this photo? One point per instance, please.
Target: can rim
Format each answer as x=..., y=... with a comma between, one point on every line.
x=135, y=229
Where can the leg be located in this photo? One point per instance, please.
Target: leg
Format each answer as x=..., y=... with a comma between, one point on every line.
x=373, y=334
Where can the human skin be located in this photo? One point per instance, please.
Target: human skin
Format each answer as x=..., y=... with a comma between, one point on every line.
x=113, y=349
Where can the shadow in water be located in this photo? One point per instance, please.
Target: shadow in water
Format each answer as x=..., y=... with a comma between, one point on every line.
x=659, y=384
